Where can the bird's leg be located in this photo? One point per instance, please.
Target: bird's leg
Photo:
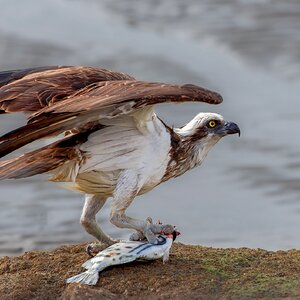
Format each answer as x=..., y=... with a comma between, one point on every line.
x=145, y=229
x=126, y=190
x=92, y=205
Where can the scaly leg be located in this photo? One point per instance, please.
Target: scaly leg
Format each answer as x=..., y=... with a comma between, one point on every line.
x=126, y=190
x=92, y=205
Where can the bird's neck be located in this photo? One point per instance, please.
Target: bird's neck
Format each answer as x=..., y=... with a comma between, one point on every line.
x=186, y=152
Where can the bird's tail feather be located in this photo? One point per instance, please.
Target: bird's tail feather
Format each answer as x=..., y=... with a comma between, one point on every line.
x=89, y=277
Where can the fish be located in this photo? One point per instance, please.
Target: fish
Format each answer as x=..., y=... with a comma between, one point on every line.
x=122, y=253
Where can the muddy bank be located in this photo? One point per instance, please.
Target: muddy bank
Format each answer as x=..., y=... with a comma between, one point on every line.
x=193, y=272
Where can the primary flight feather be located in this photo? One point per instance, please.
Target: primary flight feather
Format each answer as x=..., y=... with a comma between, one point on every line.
x=114, y=144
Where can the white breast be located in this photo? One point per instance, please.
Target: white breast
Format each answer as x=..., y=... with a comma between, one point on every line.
x=126, y=144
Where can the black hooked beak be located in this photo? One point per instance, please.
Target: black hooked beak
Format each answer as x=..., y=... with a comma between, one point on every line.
x=229, y=128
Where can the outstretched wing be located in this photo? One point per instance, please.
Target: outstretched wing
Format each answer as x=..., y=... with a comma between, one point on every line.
x=9, y=76
x=30, y=90
x=50, y=157
x=102, y=100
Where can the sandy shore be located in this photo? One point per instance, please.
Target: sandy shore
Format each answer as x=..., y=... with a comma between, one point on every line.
x=193, y=272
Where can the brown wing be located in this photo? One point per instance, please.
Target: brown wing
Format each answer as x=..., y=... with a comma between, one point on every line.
x=137, y=93
x=37, y=162
x=103, y=100
x=30, y=90
x=12, y=75
x=49, y=157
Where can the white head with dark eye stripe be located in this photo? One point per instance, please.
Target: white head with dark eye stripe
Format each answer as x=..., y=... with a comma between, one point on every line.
x=208, y=124
x=203, y=132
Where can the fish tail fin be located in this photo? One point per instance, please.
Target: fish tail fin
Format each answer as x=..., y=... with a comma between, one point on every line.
x=89, y=277
x=101, y=265
x=88, y=264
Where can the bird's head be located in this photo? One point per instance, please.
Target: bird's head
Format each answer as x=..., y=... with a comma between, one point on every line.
x=205, y=130
x=209, y=126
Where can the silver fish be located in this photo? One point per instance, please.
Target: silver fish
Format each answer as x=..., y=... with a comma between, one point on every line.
x=122, y=253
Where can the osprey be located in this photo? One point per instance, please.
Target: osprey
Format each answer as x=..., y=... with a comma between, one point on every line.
x=114, y=145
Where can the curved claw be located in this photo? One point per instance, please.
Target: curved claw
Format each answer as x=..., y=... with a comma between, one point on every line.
x=167, y=229
x=137, y=236
x=89, y=250
x=94, y=248
x=150, y=231
x=150, y=235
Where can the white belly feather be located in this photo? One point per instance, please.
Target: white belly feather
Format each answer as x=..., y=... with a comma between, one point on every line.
x=124, y=146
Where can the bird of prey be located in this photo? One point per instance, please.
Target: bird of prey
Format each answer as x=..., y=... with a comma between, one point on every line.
x=110, y=141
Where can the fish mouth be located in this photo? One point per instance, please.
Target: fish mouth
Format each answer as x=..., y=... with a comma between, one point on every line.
x=175, y=234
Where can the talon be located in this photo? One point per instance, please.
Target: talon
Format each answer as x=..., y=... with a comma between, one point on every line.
x=167, y=228
x=150, y=231
x=94, y=248
x=151, y=237
x=90, y=251
x=137, y=236
x=149, y=220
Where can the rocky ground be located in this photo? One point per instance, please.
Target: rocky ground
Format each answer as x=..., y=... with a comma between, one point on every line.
x=193, y=272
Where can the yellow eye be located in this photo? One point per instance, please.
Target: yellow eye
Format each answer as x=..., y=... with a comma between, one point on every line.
x=212, y=124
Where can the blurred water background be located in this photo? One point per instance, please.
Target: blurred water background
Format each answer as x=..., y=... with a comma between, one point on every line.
x=247, y=192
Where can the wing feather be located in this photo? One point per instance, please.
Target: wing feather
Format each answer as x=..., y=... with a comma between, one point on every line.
x=30, y=90
x=136, y=94
x=49, y=157
x=12, y=75
x=86, y=103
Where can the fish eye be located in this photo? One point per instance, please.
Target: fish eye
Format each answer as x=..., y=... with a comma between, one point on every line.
x=212, y=124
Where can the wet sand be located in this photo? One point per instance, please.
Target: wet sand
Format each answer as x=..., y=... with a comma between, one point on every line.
x=247, y=191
